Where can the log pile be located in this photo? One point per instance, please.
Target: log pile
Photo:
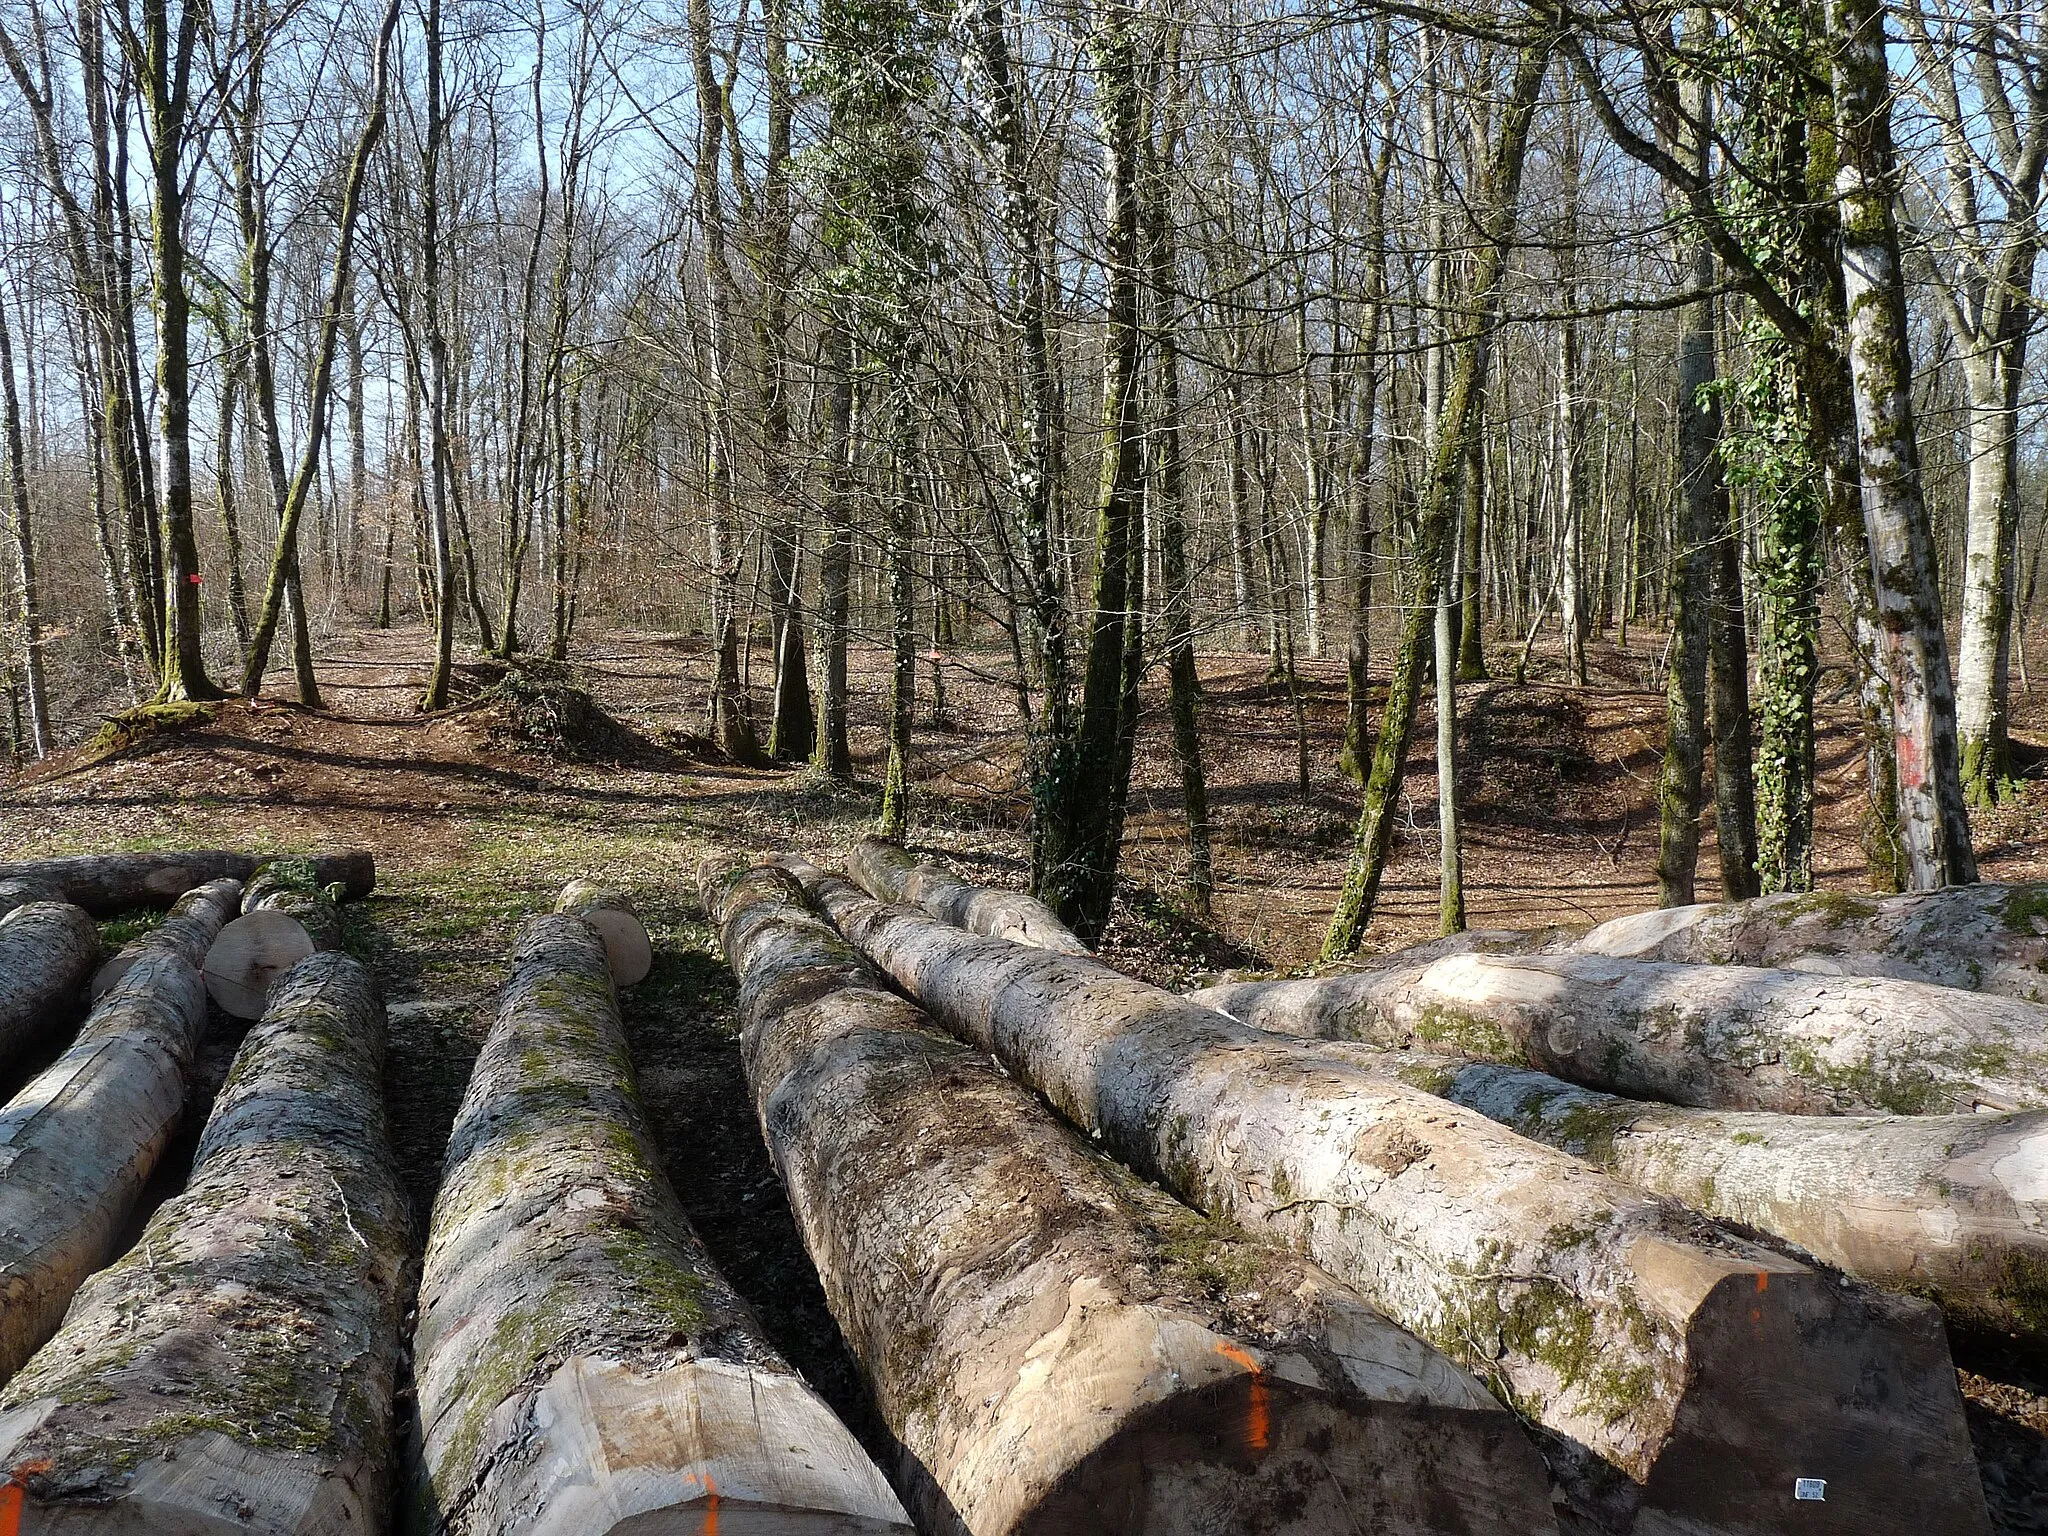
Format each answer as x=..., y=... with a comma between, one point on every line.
x=1983, y=938
x=1720, y=1037
x=80, y=1141
x=582, y=1366
x=887, y=873
x=235, y=1371
x=1686, y=1379
x=1056, y=1347
x=47, y=951
x=109, y=883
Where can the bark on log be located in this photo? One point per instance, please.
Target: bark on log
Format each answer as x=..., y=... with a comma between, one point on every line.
x=887, y=873
x=1686, y=1377
x=19, y=893
x=1986, y=938
x=47, y=950
x=1712, y=1037
x=78, y=1144
x=108, y=883
x=235, y=1371
x=196, y=920
x=611, y=913
x=1056, y=1346
x=583, y=1368
x=1952, y=1207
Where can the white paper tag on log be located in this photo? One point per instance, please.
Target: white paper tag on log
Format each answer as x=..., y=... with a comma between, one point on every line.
x=1810, y=1488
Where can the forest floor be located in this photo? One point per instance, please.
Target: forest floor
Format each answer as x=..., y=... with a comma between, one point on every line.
x=475, y=829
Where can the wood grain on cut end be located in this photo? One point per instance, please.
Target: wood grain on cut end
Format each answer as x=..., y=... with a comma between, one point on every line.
x=248, y=957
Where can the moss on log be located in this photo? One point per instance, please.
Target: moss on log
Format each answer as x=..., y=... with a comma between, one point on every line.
x=1713, y=1037
x=1056, y=1346
x=235, y=1371
x=583, y=1368
x=109, y=883
x=78, y=1144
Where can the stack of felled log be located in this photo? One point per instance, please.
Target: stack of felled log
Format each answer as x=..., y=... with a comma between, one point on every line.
x=1410, y=1131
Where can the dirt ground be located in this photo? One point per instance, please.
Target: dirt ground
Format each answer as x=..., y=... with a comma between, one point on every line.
x=474, y=831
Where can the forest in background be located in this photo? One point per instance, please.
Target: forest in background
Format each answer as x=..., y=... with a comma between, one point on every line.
x=1074, y=339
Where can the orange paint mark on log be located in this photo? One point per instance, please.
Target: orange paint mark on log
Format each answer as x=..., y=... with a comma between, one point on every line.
x=1257, y=1417
x=1763, y=1282
x=10, y=1510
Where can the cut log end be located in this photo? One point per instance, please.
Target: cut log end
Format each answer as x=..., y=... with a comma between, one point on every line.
x=627, y=950
x=248, y=957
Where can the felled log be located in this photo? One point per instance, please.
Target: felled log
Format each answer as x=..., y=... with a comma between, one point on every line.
x=286, y=916
x=108, y=883
x=887, y=873
x=1952, y=1207
x=1713, y=1037
x=1985, y=938
x=78, y=1144
x=235, y=1370
x=611, y=913
x=196, y=920
x=47, y=950
x=19, y=893
x=582, y=1365
x=1686, y=1377
x=1056, y=1347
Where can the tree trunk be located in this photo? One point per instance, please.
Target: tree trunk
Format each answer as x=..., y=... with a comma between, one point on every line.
x=989, y=1271
x=887, y=873
x=582, y=1365
x=1984, y=938
x=82, y=1140
x=1713, y=1037
x=242, y=1358
x=1927, y=1204
x=831, y=753
x=47, y=950
x=1078, y=831
x=106, y=884
x=196, y=920
x=1434, y=521
x=30, y=613
x=1990, y=562
x=1702, y=498
x=1685, y=1377
x=1934, y=824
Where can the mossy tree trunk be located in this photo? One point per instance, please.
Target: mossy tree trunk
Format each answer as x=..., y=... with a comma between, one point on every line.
x=1433, y=545
x=1934, y=822
x=83, y=1139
